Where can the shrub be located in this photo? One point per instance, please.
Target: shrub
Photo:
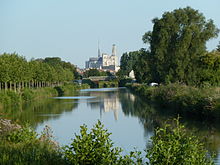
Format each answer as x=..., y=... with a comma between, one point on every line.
x=22, y=147
x=27, y=94
x=173, y=145
x=92, y=148
x=25, y=134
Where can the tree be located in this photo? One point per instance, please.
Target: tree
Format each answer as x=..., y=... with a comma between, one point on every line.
x=176, y=43
x=209, y=73
x=91, y=72
x=127, y=62
x=141, y=67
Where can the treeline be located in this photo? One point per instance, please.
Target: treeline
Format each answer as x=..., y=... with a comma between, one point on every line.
x=177, y=51
x=95, y=72
x=16, y=72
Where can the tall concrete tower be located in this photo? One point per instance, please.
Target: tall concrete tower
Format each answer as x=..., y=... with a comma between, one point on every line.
x=114, y=50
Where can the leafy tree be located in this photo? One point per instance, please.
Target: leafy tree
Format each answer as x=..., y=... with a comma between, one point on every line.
x=120, y=74
x=53, y=61
x=173, y=145
x=17, y=72
x=141, y=67
x=127, y=62
x=71, y=67
x=91, y=72
x=4, y=69
x=209, y=73
x=176, y=43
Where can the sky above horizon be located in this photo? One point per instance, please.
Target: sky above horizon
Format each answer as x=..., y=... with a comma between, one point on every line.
x=71, y=29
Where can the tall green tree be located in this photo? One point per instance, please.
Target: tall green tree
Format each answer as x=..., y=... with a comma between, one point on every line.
x=127, y=62
x=141, y=67
x=209, y=73
x=177, y=42
x=91, y=72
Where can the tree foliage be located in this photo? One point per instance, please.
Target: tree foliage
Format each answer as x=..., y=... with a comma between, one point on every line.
x=92, y=148
x=176, y=46
x=96, y=72
x=177, y=42
x=16, y=70
x=127, y=62
x=209, y=73
x=141, y=67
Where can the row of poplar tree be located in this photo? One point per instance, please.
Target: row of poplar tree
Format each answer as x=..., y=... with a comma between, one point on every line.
x=177, y=51
x=16, y=72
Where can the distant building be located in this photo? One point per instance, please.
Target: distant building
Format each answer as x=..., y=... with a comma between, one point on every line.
x=131, y=74
x=104, y=61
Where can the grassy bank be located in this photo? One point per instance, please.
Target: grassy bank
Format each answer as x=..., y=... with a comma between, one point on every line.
x=14, y=100
x=202, y=103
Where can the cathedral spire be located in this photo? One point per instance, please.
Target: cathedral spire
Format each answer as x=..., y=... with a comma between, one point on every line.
x=99, y=52
x=114, y=50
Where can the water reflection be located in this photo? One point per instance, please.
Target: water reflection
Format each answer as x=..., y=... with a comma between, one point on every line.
x=152, y=117
x=35, y=113
x=105, y=101
x=130, y=118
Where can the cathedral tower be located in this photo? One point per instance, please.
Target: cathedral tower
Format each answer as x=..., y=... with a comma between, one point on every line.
x=114, y=50
x=99, y=52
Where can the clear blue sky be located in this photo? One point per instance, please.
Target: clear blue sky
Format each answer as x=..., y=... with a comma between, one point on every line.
x=70, y=29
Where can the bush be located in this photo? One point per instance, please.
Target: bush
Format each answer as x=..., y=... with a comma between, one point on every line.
x=173, y=145
x=27, y=94
x=92, y=148
x=25, y=134
x=22, y=147
x=9, y=100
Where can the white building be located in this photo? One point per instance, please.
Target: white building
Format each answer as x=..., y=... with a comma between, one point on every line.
x=104, y=61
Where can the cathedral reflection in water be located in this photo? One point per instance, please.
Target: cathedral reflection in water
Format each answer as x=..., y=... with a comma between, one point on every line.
x=105, y=102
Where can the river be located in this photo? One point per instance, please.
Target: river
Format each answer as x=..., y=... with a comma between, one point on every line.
x=128, y=117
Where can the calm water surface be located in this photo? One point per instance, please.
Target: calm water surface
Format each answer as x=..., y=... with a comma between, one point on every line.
x=130, y=119
x=92, y=105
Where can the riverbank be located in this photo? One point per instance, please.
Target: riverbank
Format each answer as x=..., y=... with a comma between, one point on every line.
x=200, y=103
x=13, y=100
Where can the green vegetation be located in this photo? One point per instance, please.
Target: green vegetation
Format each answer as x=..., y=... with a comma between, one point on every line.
x=96, y=72
x=127, y=61
x=22, y=81
x=23, y=146
x=177, y=57
x=201, y=103
x=108, y=84
x=17, y=73
x=171, y=145
x=177, y=51
x=94, y=147
x=12, y=100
